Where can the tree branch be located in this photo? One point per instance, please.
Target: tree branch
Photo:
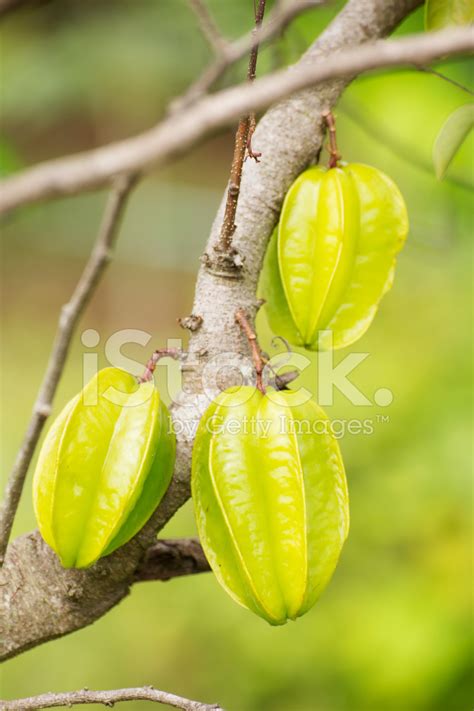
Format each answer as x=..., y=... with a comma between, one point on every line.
x=107, y=698
x=184, y=129
x=43, y=601
x=70, y=314
x=168, y=559
x=209, y=28
x=279, y=19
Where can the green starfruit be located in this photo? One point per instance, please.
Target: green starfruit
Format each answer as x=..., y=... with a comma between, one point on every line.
x=270, y=500
x=103, y=468
x=332, y=256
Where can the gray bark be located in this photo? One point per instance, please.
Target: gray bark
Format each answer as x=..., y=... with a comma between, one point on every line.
x=42, y=601
x=107, y=698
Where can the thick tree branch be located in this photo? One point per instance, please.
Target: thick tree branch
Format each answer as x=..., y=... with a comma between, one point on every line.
x=184, y=129
x=70, y=314
x=107, y=698
x=168, y=559
x=41, y=600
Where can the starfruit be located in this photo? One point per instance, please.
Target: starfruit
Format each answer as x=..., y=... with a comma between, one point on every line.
x=270, y=500
x=332, y=257
x=103, y=468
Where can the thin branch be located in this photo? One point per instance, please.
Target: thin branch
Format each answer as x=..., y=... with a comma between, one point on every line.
x=107, y=698
x=235, y=51
x=398, y=147
x=178, y=133
x=241, y=143
x=444, y=77
x=168, y=559
x=70, y=314
x=209, y=28
x=251, y=74
x=280, y=381
x=152, y=362
x=251, y=337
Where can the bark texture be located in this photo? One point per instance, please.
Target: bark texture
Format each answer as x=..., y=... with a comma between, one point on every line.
x=42, y=601
x=171, y=559
x=107, y=698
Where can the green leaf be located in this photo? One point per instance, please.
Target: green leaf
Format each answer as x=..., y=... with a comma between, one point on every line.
x=452, y=134
x=443, y=13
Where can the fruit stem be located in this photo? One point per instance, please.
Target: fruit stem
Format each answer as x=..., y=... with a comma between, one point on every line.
x=152, y=362
x=258, y=360
x=334, y=155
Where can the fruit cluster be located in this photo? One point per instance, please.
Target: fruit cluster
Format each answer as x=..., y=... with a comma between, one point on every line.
x=271, y=502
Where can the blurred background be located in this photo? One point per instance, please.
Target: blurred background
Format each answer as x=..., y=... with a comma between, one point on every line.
x=391, y=632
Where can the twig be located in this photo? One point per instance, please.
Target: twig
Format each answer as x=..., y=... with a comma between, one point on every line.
x=251, y=119
x=234, y=51
x=69, y=317
x=242, y=141
x=150, y=367
x=255, y=155
x=334, y=155
x=402, y=150
x=282, y=380
x=177, y=134
x=257, y=358
x=209, y=28
x=440, y=75
x=168, y=559
x=107, y=698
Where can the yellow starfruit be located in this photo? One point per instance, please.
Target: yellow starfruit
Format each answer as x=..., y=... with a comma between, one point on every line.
x=104, y=466
x=270, y=500
x=332, y=257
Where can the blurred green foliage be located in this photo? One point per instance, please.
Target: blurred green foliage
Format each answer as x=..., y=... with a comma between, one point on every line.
x=391, y=633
